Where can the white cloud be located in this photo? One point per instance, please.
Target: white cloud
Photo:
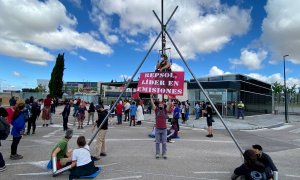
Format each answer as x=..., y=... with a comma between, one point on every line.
x=82, y=58
x=74, y=53
x=38, y=26
x=215, y=71
x=15, y=73
x=281, y=29
x=197, y=26
x=276, y=78
x=176, y=67
x=251, y=59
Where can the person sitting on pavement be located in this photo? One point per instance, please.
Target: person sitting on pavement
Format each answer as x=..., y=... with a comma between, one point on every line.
x=82, y=164
x=264, y=158
x=172, y=132
x=251, y=169
x=61, y=151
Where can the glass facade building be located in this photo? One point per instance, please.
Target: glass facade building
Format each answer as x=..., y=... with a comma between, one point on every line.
x=227, y=90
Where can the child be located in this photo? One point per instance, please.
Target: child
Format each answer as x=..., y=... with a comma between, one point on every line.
x=132, y=113
x=82, y=164
x=81, y=115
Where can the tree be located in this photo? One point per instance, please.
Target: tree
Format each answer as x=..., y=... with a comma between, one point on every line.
x=277, y=88
x=40, y=88
x=56, y=81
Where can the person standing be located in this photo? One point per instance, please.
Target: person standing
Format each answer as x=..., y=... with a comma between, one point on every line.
x=126, y=112
x=3, y=116
x=209, y=120
x=99, y=149
x=34, y=114
x=91, y=112
x=197, y=110
x=241, y=108
x=132, y=112
x=52, y=110
x=161, y=127
x=65, y=114
x=264, y=158
x=183, y=109
x=140, y=113
x=176, y=114
x=12, y=101
x=46, y=110
x=81, y=115
x=119, y=110
x=18, y=123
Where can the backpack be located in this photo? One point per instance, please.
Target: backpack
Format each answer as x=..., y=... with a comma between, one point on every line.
x=256, y=175
x=4, y=128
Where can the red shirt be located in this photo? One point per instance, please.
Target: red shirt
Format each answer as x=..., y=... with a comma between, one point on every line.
x=10, y=112
x=161, y=118
x=47, y=102
x=119, y=108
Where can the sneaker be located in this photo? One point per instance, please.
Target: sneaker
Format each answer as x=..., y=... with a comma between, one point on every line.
x=164, y=156
x=16, y=157
x=102, y=154
x=157, y=156
x=47, y=125
x=95, y=158
x=51, y=123
x=2, y=168
x=43, y=125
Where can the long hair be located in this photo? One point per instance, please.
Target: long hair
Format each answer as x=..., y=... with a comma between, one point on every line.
x=19, y=108
x=250, y=158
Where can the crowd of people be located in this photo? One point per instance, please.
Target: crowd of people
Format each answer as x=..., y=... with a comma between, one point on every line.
x=257, y=163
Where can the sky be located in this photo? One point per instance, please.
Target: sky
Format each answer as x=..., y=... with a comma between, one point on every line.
x=104, y=40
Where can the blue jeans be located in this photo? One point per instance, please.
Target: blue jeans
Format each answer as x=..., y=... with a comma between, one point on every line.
x=240, y=113
x=161, y=137
x=197, y=113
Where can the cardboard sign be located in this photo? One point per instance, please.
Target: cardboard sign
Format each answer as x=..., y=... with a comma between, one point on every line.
x=170, y=83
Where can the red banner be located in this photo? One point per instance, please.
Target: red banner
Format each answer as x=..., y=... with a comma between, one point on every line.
x=171, y=83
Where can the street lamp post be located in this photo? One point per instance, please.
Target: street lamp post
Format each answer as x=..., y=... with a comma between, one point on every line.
x=285, y=93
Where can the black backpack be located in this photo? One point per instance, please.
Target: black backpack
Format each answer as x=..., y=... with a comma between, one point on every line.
x=4, y=128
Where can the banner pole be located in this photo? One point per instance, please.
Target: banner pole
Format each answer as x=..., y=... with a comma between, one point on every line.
x=106, y=118
x=206, y=95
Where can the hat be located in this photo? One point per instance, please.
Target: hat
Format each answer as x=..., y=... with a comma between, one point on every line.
x=69, y=134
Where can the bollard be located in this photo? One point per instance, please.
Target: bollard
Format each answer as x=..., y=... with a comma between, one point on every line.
x=54, y=168
x=275, y=175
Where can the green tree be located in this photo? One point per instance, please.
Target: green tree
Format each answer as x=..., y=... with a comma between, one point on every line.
x=56, y=81
x=277, y=88
x=40, y=88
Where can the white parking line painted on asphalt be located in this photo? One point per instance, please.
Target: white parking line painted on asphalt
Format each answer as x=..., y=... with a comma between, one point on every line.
x=289, y=175
x=254, y=129
x=295, y=131
x=212, y=172
x=30, y=162
x=165, y=175
x=128, y=177
x=35, y=174
x=282, y=127
x=52, y=133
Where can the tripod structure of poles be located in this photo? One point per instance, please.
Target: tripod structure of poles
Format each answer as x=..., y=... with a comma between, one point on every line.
x=162, y=33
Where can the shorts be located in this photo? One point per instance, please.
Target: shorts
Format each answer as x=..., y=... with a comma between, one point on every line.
x=209, y=121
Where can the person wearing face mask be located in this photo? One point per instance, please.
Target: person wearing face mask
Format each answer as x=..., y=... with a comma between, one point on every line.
x=161, y=116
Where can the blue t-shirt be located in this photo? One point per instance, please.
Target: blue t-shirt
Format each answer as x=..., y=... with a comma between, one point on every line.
x=176, y=112
x=133, y=109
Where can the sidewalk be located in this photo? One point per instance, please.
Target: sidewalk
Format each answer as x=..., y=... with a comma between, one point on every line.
x=250, y=122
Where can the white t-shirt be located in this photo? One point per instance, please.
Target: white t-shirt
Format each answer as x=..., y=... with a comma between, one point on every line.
x=139, y=113
x=127, y=106
x=82, y=156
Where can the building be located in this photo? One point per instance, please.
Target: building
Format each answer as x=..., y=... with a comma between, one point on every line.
x=227, y=90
